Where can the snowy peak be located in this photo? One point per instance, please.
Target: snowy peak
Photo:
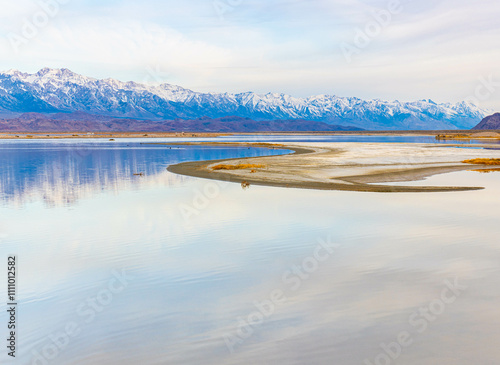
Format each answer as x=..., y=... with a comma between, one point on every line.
x=12, y=72
x=62, y=90
x=55, y=73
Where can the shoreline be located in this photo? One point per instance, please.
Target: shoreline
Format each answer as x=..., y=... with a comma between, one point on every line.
x=105, y=135
x=450, y=135
x=306, y=167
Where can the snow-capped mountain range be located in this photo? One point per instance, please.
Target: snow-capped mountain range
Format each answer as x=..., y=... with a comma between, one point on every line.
x=60, y=90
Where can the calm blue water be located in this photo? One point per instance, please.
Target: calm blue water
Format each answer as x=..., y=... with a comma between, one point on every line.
x=163, y=269
x=57, y=170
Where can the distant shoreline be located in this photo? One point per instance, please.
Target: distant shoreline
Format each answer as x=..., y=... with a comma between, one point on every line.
x=456, y=134
x=103, y=135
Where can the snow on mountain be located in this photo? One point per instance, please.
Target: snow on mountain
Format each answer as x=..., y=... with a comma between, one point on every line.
x=61, y=90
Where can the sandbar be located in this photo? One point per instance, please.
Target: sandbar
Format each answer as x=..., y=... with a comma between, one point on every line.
x=362, y=167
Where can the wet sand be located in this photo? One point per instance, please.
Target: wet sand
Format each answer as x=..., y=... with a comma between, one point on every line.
x=365, y=167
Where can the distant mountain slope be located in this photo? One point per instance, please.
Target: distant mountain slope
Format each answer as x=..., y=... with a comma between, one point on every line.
x=490, y=122
x=62, y=122
x=60, y=90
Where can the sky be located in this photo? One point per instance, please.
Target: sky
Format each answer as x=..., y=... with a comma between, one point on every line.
x=444, y=50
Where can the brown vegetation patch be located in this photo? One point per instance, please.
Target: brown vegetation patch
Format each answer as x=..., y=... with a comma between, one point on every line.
x=480, y=135
x=453, y=136
x=242, y=166
x=484, y=161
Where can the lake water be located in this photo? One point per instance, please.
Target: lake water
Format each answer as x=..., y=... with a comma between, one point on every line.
x=165, y=269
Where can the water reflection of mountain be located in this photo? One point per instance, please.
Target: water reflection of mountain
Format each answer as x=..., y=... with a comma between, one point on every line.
x=62, y=173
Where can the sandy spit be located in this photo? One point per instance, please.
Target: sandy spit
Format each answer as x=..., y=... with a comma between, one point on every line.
x=342, y=166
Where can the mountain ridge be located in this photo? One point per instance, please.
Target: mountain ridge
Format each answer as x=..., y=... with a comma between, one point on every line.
x=83, y=122
x=491, y=122
x=61, y=90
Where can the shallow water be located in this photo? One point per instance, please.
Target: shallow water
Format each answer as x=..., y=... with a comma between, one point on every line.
x=199, y=262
